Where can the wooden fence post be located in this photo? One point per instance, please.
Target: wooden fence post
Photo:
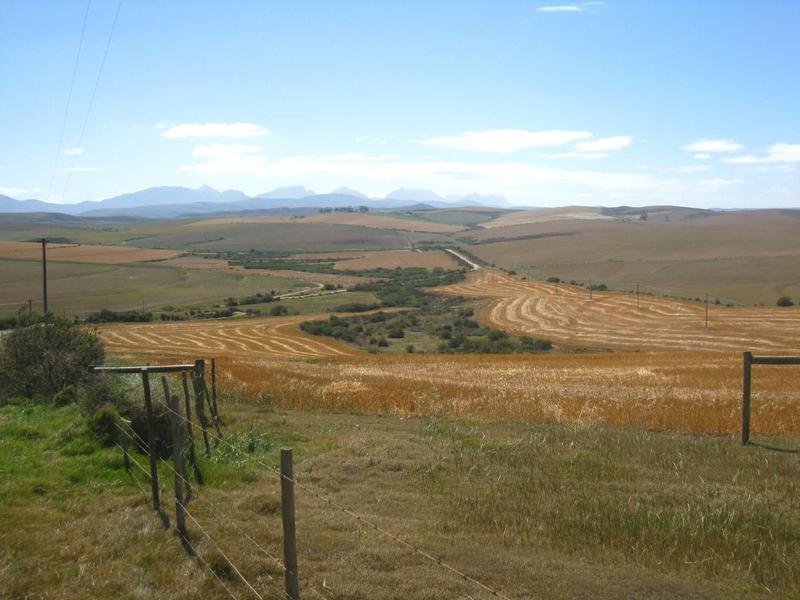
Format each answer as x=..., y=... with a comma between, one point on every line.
x=151, y=440
x=199, y=401
x=747, y=362
x=177, y=456
x=198, y=474
x=287, y=512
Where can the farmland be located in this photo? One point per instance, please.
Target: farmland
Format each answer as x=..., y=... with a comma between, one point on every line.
x=571, y=316
x=372, y=221
x=107, y=255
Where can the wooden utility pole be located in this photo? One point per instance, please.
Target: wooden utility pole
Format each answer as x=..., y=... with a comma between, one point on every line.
x=287, y=512
x=44, y=273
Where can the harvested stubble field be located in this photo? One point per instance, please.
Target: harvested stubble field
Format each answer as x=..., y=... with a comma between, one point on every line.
x=104, y=255
x=266, y=337
x=697, y=392
x=567, y=315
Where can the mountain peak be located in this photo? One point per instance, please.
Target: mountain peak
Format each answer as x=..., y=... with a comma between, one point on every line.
x=288, y=192
x=350, y=192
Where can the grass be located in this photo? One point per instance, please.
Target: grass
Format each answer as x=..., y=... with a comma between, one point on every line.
x=530, y=509
x=80, y=288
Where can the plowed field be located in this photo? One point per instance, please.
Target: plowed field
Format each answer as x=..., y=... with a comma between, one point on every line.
x=106, y=255
x=568, y=316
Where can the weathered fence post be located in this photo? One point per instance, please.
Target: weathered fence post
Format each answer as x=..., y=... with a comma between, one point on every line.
x=199, y=401
x=198, y=474
x=177, y=456
x=747, y=362
x=287, y=512
x=151, y=440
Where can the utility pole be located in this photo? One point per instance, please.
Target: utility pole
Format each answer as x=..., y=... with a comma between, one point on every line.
x=44, y=273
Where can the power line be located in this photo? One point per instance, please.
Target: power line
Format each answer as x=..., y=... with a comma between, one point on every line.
x=69, y=98
x=94, y=91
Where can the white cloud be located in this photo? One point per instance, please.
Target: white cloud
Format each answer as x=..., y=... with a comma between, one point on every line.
x=692, y=169
x=80, y=169
x=73, y=151
x=713, y=146
x=227, y=159
x=13, y=191
x=581, y=155
x=702, y=156
x=777, y=153
x=504, y=141
x=215, y=130
x=606, y=144
x=717, y=184
x=563, y=8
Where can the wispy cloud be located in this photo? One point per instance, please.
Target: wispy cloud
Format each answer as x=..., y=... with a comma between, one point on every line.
x=73, y=151
x=504, y=141
x=606, y=144
x=562, y=8
x=692, y=169
x=777, y=153
x=718, y=184
x=227, y=159
x=707, y=146
x=215, y=130
x=80, y=169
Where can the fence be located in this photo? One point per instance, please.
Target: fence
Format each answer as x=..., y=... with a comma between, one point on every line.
x=182, y=431
x=748, y=360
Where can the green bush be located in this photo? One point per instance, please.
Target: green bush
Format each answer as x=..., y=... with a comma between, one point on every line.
x=44, y=355
x=784, y=301
x=67, y=395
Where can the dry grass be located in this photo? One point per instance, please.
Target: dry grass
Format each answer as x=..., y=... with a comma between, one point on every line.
x=105, y=255
x=386, y=259
x=544, y=215
x=374, y=221
x=567, y=315
x=219, y=265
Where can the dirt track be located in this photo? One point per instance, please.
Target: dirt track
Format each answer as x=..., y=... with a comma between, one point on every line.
x=568, y=316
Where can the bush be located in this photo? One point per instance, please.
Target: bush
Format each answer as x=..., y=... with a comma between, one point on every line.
x=279, y=311
x=784, y=301
x=67, y=395
x=43, y=356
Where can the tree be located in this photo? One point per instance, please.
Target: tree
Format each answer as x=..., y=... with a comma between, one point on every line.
x=784, y=301
x=42, y=356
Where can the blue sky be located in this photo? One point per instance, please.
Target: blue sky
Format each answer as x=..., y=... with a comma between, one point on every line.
x=547, y=103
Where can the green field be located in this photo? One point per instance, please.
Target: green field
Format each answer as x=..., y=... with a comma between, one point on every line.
x=468, y=218
x=80, y=288
x=316, y=304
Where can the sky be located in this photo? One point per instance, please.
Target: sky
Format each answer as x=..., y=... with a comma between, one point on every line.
x=546, y=103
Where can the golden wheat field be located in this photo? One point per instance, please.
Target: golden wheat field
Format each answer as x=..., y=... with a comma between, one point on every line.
x=568, y=316
x=108, y=255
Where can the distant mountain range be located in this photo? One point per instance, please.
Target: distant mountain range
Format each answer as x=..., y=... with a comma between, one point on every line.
x=174, y=201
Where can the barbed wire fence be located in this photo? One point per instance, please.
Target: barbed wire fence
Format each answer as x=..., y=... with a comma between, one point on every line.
x=186, y=493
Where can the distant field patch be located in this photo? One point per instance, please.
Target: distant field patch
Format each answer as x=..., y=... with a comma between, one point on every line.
x=389, y=259
x=543, y=215
x=81, y=288
x=463, y=216
x=108, y=255
x=222, y=266
x=370, y=220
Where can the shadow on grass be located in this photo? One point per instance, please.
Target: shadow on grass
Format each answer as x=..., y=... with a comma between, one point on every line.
x=774, y=448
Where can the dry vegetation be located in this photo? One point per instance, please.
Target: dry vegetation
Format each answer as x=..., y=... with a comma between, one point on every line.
x=568, y=315
x=544, y=215
x=219, y=265
x=107, y=255
x=387, y=259
x=374, y=221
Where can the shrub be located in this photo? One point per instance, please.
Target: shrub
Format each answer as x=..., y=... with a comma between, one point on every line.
x=67, y=395
x=784, y=301
x=279, y=311
x=43, y=356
